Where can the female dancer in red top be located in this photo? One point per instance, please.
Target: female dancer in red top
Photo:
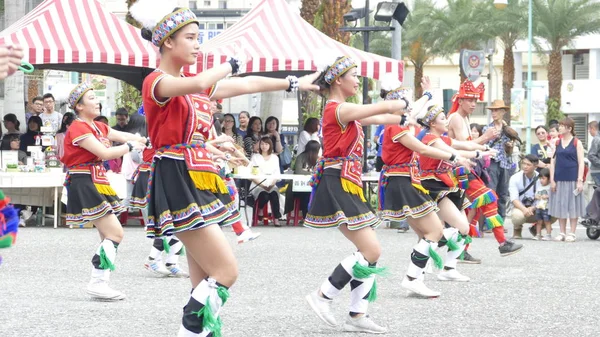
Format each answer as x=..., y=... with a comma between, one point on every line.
x=186, y=194
x=337, y=198
x=91, y=199
x=401, y=195
x=443, y=181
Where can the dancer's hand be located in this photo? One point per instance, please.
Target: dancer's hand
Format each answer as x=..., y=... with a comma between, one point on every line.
x=227, y=147
x=425, y=83
x=137, y=146
x=305, y=83
x=490, y=153
x=10, y=60
x=223, y=138
x=462, y=161
x=491, y=133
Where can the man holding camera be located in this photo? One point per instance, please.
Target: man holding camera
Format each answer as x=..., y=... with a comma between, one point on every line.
x=521, y=188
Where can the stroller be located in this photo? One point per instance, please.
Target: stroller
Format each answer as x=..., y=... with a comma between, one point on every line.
x=591, y=220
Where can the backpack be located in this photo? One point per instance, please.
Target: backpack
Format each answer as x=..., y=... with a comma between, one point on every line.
x=586, y=169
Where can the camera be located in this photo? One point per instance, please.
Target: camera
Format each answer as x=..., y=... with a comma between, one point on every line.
x=528, y=201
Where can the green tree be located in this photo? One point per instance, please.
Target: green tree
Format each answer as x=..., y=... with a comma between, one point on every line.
x=559, y=22
x=508, y=25
x=457, y=26
x=333, y=18
x=309, y=10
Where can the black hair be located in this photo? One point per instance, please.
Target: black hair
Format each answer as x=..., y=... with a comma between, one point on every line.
x=312, y=151
x=478, y=127
x=101, y=119
x=37, y=120
x=48, y=95
x=246, y=113
x=121, y=112
x=541, y=127
x=68, y=118
x=311, y=125
x=532, y=158
x=552, y=122
x=37, y=98
x=234, y=129
x=269, y=119
x=320, y=81
x=249, y=131
x=545, y=173
x=13, y=119
x=383, y=93
x=13, y=137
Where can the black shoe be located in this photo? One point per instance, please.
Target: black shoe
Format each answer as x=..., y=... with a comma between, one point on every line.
x=467, y=258
x=533, y=231
x=509, y=248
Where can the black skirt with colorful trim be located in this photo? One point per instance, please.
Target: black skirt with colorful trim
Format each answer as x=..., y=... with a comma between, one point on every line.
x=140, y=187
x=176, y=205
x=403, y=200
x=86, y=204
x=331, y=206
x=438, y=191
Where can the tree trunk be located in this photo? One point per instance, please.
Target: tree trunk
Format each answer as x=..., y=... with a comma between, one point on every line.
x=555, y=76
x=508, y=78
x=333, y=19
x=417, y=79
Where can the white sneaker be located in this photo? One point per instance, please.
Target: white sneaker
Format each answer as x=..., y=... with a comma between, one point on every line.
x=157, y=267
x=452, y=275
x=176, y=272
x=363, y=323
x=418, y=287
x=247, y=235
x=99, y=289
x=322, y=307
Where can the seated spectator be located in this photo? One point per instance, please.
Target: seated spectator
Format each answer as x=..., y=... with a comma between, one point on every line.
x=310, y=132
x=33, y=135
x=265, y=190
x=15, y=145
x=305, y=163
x=253, y=135
x=231, y=130
x=11, y=123
x=522, y=188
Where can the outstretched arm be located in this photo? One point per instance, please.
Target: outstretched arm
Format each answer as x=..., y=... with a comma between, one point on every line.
x=253, y=84
x=170, y=86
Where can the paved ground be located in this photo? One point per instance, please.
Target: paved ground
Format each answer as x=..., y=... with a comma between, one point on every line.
x=545, y=290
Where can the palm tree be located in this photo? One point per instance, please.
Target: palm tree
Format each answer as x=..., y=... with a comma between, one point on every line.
x=419, y=42
x=457, y=26
x=509, y=26
x=309, y=10
x=559, y=22
x=128, y=18
x=333, y=19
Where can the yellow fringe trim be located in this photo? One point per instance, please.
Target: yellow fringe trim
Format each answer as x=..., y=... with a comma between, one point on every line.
x=352, y=188
x=105, y=189
x=208, y=181
x=420, y=188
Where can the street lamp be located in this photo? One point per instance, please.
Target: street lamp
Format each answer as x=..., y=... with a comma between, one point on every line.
x=501, y=4
x=386, y=11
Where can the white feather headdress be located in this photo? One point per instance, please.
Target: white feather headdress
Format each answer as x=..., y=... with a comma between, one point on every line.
x=390, y=82
x=61, y=91
x=325, y=58
x=151, y=12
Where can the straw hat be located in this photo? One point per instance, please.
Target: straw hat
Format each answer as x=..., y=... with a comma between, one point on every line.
x=498, y=104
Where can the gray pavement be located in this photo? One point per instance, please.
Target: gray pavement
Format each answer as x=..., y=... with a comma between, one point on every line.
x=547, y=289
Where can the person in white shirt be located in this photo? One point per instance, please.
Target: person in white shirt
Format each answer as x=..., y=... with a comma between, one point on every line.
x=50, y=118
x=522, y=188
x=310, y=132
x=265, y=190
x=542, y=195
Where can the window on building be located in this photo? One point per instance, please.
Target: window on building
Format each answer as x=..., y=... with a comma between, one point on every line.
x=229, y=24
x=220, y=26
x=193, y=5
x=524, y=77
x=223, y=4
x=581, y=121
x=211, y=26
x=202, y=26
x=206, y=3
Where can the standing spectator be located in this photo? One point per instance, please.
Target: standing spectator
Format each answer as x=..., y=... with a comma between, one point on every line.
x=594, y=152
x=253, y=135
x=33, y=135
x=378, y=138
x=266, y=191
x=476, y=130
x=122, y=117
x=310, y=132
x=36, y=108
x=499, y=170
x=542, y=196
x=68, y=118
x=230, y=130
x=542, y=149
x=50, y=117
x=566, y=178
x=522, y=188
x=244, y=118
x=272, y=130
x=554, y=137
x=12, y=124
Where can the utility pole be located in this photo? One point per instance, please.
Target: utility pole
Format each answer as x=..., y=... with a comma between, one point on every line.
x=396, y=39
x=366, y=88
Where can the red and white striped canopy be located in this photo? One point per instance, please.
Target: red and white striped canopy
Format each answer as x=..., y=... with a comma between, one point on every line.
x=275, y=38
x=76, y=31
